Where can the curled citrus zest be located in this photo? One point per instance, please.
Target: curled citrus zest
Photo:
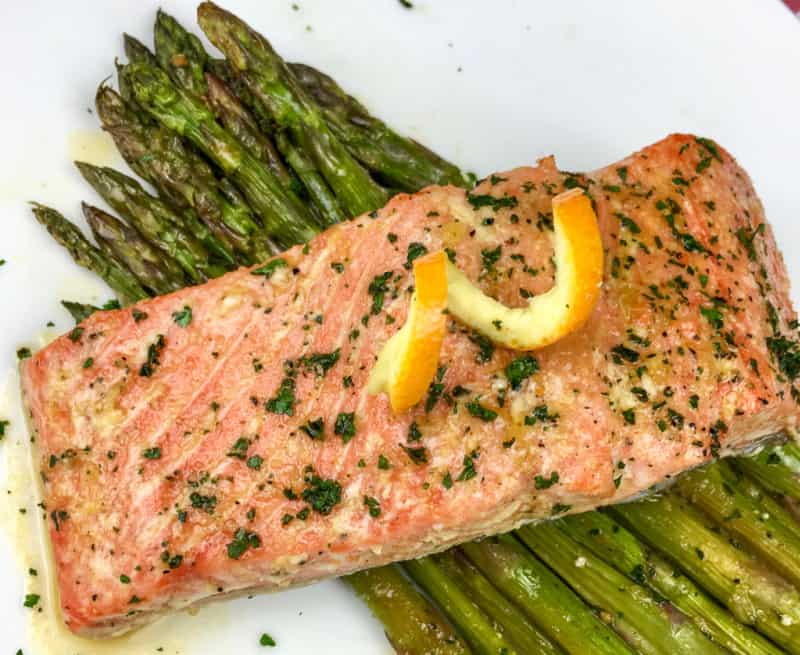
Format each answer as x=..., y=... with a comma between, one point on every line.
x=408, y=361
x=556, y=313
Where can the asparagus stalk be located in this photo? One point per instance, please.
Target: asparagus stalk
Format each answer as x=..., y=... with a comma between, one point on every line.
x=608, y=540
x=181, y=54
x=653, y=628
x=484, y=636
x=181, y=176
x=157, y=273
x=400, y=161
x=153, y=219
x=280, y=209
x=755, y=595
x=274, y=86
x=542, y=597
x=524, y=634
x=777, y=469
x=119, y=278
x=768, y=529
x=237, y=120
x=413, y=625
x=135, y=50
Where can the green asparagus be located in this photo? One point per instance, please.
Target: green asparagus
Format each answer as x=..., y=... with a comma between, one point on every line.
x=652, y=627
x=180, y=54
x=119, y=278
x=484, y=635
x=542, y=597
x=413, y=625
x=274, y=86
x=523, y=633
x=617, y=546
x=281, y=211
x=754, y=594
x=153, y=219
x=135, y=50
x=399, y=161
x=776, y=468
x=181, y=176
x=157, y=273
x=239, y=122
x=770, y=532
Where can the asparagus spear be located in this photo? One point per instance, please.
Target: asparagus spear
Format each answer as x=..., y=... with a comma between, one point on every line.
x=542, y=597
x=237, y=120
x=776, y=468
x=484, y=636
x=400, y=161
x=503, y=612
x=617, y=546
x=413, y=625
x=653, y=628
x=180, y=175
x=180, y=54
x=153, y=219
x=770, y=532
x=119, y=278
x=152, y=269
x=755, y=595
x=135, y=50
x=274, y=86
x=281, y=211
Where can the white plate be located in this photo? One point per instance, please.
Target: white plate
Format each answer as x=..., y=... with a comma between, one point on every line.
x=491, y=85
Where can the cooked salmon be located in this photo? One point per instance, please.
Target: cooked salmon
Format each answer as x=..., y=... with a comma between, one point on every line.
x=220, y=439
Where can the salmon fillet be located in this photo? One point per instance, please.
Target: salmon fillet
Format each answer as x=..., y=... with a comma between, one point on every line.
x=220, y=439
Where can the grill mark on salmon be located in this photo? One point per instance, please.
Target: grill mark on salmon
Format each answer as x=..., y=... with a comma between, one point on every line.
x=170, y=489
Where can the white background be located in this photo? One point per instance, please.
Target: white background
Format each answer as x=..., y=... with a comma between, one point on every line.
x=491, y=85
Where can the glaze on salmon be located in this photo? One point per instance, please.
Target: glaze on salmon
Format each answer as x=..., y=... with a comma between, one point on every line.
x=220, y=439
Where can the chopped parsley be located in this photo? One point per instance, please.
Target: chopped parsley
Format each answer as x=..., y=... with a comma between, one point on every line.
x=322, y=494
x=283, y=402
x=242, y=542
x=138, y=315
x=314, y=429
x=417, y=455
x=321, y=363
x=75, y=334
x=490, y=257
x=268, y=269
x=152, y=453
x=521, y=369
x=545, y=483
x=479, y=201
x=266, y=640
x=377, y=289
x=413, y=432
x=373, y=505
x=31, y=600
x=415, y=250
x=485, y=347
x=153, y=360
x=383, y=463
x=240, y=448
x=477, y=410
x=468, y=471
x=23, y=353
x=436, y=389
x=345, y=426
x=255, y=462
x=183, y=317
